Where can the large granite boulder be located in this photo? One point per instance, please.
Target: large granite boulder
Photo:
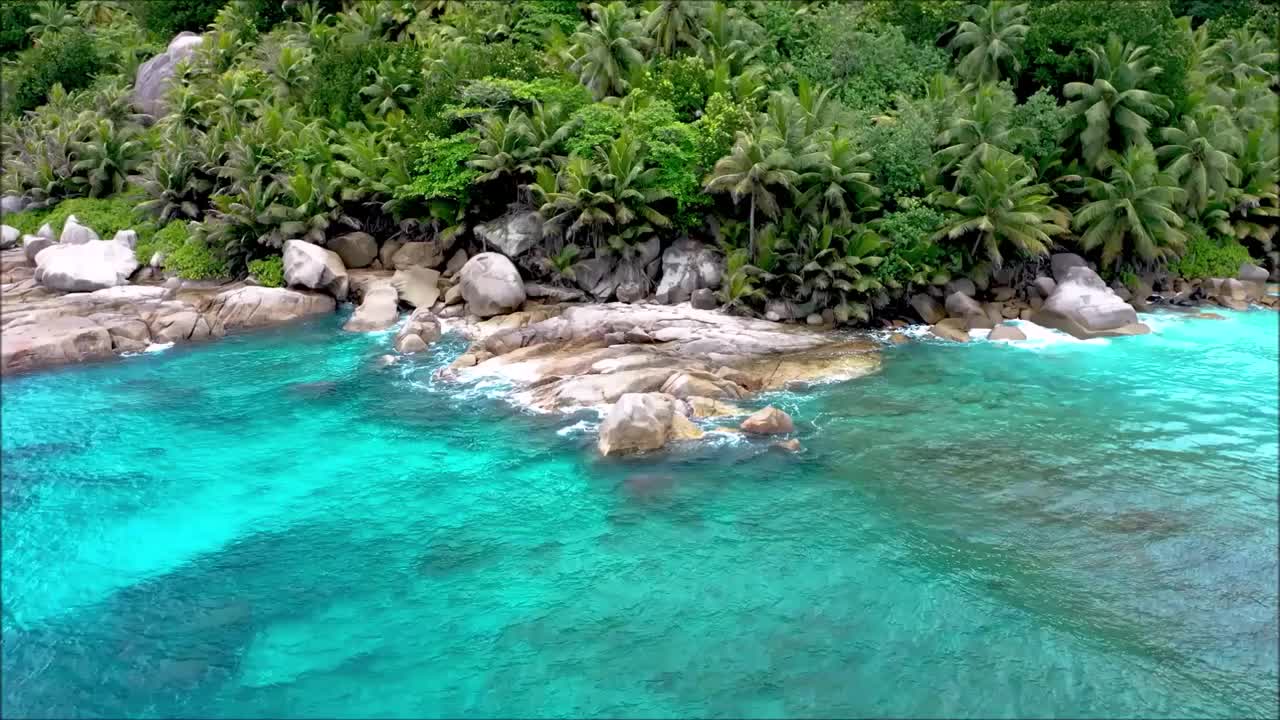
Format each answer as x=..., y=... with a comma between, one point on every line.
x=1083, y=306
x=73, y=233
x=637, y=421
x=418, y=286
x=594, y=276
x=1061, y=263
x=9, y=237
x=927, y=307
x=1254, y=279
x=704, y=299
x=966, y=308
x=769, y=421
x=953, y=329
x=1044, y=285
x=33, y=244
x=512, y=234
x=419, y=331
x=357, y=249
x=964, y=286
x=12, y=204
x=387, y=253
x=53, y=341
x=254, y=307
x=154, y=76
x=688, y=266
x=311, y=266
x=491, y=285
x=378, y=310
x=420, y=253
x=85, y=267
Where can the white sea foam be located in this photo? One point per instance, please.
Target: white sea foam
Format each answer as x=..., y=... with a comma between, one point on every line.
x=582, y=427
x=1040, y=337
x=158, y=347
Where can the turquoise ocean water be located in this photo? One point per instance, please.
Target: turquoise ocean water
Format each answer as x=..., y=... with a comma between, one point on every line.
x=269, y=526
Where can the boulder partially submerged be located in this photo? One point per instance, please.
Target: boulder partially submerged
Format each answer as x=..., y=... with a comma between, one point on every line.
x=1083, y=306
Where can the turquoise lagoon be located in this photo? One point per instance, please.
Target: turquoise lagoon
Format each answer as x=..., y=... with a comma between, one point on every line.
x=269, y=526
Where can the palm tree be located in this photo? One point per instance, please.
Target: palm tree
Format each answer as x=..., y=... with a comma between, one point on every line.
x=605, y=51
x=50, y=16
x=391, y=87
x=758, y=168
x=980, y=130
x=1200, y=156
x=999, y=203
x=993, y=35
x=550, y=125
x=839, y=182
x=1114, y=109
x=504, y=147
x=1240, y=57
x=108, y=157
x=1132, y=213
x=676, y=23
x=290, y=71
x=99, y=12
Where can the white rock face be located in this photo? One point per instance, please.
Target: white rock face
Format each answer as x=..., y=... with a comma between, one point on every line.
x=33, y=244
x=491, y=285
x=637, y=421
x=687, y=266
x=9, y=236
x=378, y=311
x=73, y=233
x=12, y=204
x=153, y=77
x=1083, y=306
x=85, y=267
x=513, y=233
x=311, y=266
x=127, y=237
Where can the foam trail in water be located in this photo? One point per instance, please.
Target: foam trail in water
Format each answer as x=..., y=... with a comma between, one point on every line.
x=158, y=347
x=1040, y=337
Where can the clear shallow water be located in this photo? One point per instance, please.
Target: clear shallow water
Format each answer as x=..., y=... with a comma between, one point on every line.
x=267, y=526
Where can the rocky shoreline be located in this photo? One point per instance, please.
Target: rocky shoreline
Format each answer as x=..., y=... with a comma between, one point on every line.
x=653, y=365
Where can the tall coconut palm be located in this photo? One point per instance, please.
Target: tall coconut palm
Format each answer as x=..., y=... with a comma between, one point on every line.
x=673, y=24
x=1114, y=112
x=1200, y=155
x=605, y=50
x=1000, y=204
x=838, y=182
x=992, y=36
x=50, y=16
x=758, y=169
x=1131, y=215
x=107, y=158
x=505, y=145
x=981, y=129
x=1240, y=57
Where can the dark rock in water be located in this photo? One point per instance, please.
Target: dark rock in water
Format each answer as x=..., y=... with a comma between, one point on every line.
x=453, y=553
x=314, y=389
x=647, y=485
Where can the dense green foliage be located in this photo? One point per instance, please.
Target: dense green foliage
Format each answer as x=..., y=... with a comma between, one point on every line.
x=1207, y=257
x=269, y=271
x=838, y=154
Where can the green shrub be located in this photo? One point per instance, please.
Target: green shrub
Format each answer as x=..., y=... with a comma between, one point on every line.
x=185, y=255
x=1207, y=256
x=105, y=216
x=682, y=82
x=902, y=148
x=69, y=58
x=868, y=68
x=600, y=124
x=441, y=172
x=268, y=271
x=15, y=18
x=719, y=126
x=1060, y=31
x=339, y=72
x=167, y=18
x=912, y=255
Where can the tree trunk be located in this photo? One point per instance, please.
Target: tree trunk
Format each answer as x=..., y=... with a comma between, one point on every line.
x=751, y=243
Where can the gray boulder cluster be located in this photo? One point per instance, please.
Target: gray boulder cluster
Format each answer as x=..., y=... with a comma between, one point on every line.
x=1074, y=300
x=71, y=299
